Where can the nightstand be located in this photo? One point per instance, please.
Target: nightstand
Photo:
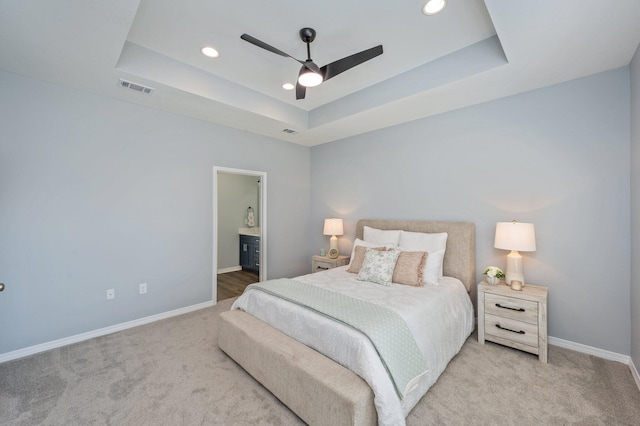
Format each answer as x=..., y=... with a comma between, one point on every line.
x=517, y=319
x=322, y=263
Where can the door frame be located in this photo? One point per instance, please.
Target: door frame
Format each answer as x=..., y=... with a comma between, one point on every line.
x=262, y=216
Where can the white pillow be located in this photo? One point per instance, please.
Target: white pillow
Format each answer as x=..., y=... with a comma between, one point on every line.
x=434, y=244
x=380, y=237
x=359, y=242
x=378, y=266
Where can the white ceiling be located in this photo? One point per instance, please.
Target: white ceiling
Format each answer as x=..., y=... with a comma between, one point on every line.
x=472, y=52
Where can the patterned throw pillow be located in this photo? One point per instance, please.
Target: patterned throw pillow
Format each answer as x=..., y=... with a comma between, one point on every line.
x=358, y=258
x=378, y=266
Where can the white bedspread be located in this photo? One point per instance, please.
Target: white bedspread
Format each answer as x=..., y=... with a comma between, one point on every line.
x=440, y=318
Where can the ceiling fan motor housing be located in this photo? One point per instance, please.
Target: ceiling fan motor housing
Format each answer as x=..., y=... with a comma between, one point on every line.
x=308, y=35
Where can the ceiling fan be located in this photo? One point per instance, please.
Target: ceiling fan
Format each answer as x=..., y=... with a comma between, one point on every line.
x=310, y=74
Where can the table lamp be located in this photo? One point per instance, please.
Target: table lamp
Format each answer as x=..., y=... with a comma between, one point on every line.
x=516, y=237
x=333, y=227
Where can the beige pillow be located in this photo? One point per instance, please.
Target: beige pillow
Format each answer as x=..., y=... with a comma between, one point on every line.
x=410, y=267
x=358, y=258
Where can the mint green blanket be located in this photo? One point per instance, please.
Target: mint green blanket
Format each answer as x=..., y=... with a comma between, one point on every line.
x=387, y=331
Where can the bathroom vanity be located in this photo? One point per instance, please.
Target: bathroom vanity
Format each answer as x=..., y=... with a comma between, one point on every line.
x=250, y=249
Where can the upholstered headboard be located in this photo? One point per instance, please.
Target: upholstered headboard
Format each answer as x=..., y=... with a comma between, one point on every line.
x=460, y=255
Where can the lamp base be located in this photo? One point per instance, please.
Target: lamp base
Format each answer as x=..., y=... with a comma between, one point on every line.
x=515, y=269
x=508, y=277
x=333, y=245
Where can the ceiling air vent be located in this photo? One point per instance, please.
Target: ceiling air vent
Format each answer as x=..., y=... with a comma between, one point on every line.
x=290, y=131
x=135, y=86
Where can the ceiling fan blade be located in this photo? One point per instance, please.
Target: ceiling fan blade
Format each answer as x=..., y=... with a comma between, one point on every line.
x=341, y=65
x=246, y=37
x=312, y=66
x=301, y=90
x=265, y=46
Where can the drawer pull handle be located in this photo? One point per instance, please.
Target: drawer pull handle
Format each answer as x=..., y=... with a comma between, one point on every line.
x=508, y=329
x=323, y=268
x=513, y=309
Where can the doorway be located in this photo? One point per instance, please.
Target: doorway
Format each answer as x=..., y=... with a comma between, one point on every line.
x=239, y=220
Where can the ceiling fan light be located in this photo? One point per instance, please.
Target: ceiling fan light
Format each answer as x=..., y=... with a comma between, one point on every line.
x=310, y=79
x=431, y=7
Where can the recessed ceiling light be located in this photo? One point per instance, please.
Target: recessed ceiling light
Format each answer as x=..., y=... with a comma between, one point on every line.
x=431, y=7
x=288, y=86
x=210, y=52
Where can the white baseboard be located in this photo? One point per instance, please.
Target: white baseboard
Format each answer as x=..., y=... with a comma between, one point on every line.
x=634, y=373
x=590, y=350
x=231, y=269
x=8, y=356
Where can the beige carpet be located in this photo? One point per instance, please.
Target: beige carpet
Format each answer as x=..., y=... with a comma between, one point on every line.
x=172, y=373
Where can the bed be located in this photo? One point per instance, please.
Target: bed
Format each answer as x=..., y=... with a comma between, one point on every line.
x=341, y=388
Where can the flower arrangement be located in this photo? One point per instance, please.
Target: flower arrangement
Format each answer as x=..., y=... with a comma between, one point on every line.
x=493, y=271
x=494, y=274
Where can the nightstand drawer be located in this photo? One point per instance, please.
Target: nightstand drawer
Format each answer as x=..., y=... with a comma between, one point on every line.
x=515, y=331
x=322, y=265
x=511, y=307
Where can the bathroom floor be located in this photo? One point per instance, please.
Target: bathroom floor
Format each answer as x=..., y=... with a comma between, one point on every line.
x=232, y=284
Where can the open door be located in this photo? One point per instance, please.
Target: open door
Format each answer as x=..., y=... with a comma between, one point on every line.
x=232, y=202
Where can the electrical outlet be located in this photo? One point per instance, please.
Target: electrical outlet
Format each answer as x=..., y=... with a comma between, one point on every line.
x=111, y=294
x=142, y=288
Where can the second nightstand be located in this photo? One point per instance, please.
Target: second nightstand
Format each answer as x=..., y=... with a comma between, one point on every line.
x=517, y=319
x=323, y=263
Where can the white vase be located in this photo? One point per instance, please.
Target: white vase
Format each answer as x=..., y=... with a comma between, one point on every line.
x=492, y=280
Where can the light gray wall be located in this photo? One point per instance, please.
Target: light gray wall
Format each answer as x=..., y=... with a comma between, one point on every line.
x=97, y=193
x=635, y=209
x=236, y=193
x=557, y=157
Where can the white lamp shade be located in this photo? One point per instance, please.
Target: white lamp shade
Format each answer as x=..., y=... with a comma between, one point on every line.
x=333, y=227
x=515, y=236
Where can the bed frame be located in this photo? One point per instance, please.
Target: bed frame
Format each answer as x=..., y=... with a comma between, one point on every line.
x=318, y=390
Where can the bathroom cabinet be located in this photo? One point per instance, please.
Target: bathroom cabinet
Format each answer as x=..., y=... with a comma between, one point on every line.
x=250, y=253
